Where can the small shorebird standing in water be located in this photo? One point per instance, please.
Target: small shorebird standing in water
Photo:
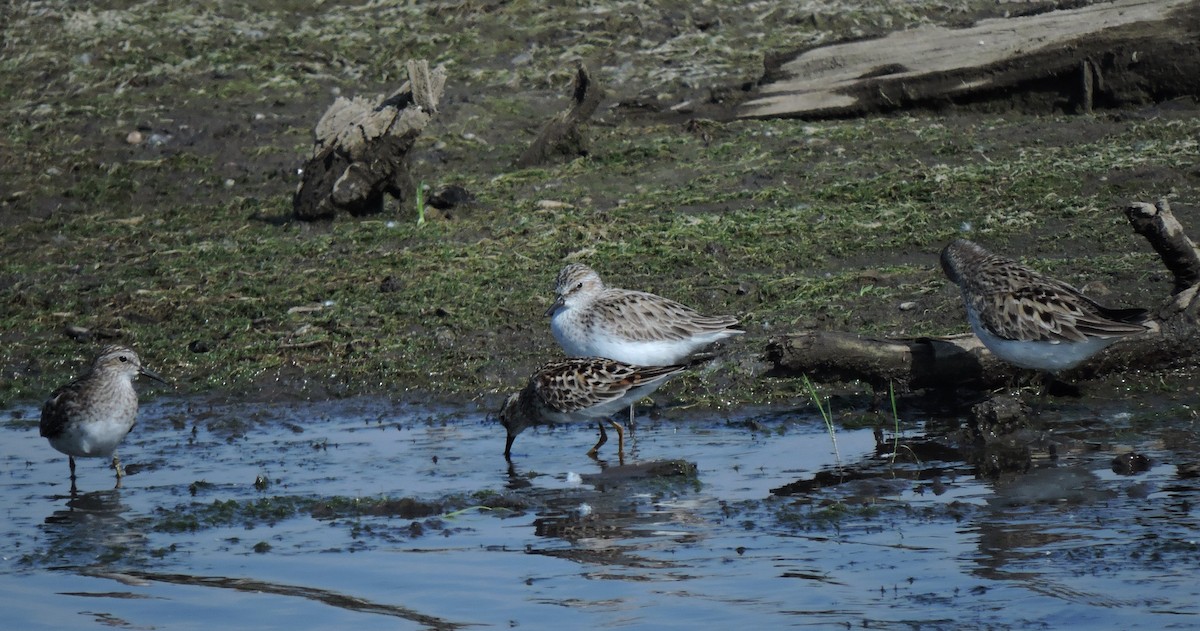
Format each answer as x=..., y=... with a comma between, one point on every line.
x=1031, y=320
x=90, y=416
x=591, y=320
x=580, y=389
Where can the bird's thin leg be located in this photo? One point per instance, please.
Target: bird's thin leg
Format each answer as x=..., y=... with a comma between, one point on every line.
x=71, y=461
x=603, y=439
x=116, y=463
x=620, y=437
x=631, y=424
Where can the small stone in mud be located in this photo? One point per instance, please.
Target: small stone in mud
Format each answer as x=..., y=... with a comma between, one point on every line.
x=390, y=284
x=199, y=346
x=1130, y=463
x=999, y=416
x=262, y=547
x=450, y=196
x=908, y=305
x=262, y=482
x=195, y=487
x=444, y=337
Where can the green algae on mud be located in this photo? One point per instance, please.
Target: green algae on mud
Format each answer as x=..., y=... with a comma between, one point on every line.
x=173, y=244
x=303, y=303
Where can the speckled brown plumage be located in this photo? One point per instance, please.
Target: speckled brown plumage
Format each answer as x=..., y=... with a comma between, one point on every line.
x=579, y=389
x=1030, y=319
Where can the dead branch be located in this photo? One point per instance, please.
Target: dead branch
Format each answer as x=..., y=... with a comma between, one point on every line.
x=910, y=363
x=563, y=134
x=361, y=148
x=1158, y=225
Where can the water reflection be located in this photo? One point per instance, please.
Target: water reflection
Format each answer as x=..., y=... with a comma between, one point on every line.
x=88, y=507
x=619, y=516
x=92, y=527
x=1064, y=532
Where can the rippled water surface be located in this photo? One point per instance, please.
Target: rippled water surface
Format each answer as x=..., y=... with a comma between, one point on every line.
x=558, y=540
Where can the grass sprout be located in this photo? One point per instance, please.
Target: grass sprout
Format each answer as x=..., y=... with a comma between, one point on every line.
x=896, y=446
x=826, y=415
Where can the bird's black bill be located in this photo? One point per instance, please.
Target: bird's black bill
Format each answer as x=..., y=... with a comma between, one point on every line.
x=557, y=303
x=153, y=375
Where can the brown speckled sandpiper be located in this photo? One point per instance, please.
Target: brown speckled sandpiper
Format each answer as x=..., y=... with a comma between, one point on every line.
x=1031, y=320
x=580, y=389
x=90, y=416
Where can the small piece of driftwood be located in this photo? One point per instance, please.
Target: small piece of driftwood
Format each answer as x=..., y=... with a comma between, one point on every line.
x=361, y=148
x=563, y=135
x=1103, y=54
x=963, y=361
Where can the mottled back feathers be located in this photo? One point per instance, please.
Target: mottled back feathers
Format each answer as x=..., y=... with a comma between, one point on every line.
x=592, y=319
x=1016, y=303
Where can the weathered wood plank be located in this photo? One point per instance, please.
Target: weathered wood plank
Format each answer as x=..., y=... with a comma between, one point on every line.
x=1088, y=48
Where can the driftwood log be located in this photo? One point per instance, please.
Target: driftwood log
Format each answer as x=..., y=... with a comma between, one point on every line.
x=1105, y=54
x=963, y=361
x=361, y=148
x=564, y=135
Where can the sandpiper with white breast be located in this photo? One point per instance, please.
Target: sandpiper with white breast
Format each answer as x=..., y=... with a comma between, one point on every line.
x=1031, y=320
x=580, y=389
x=590, y=319
x=90, y=416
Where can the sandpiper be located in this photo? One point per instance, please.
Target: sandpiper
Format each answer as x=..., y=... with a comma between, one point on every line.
x=91, y=415
x=591, y=320
x=1031, y=320
x=580, y=389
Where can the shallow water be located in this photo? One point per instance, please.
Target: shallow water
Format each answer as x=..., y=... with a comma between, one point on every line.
x=587, y=544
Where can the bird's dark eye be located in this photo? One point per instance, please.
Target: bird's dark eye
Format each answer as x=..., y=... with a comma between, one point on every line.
x=579, y=286
x=122, y=358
